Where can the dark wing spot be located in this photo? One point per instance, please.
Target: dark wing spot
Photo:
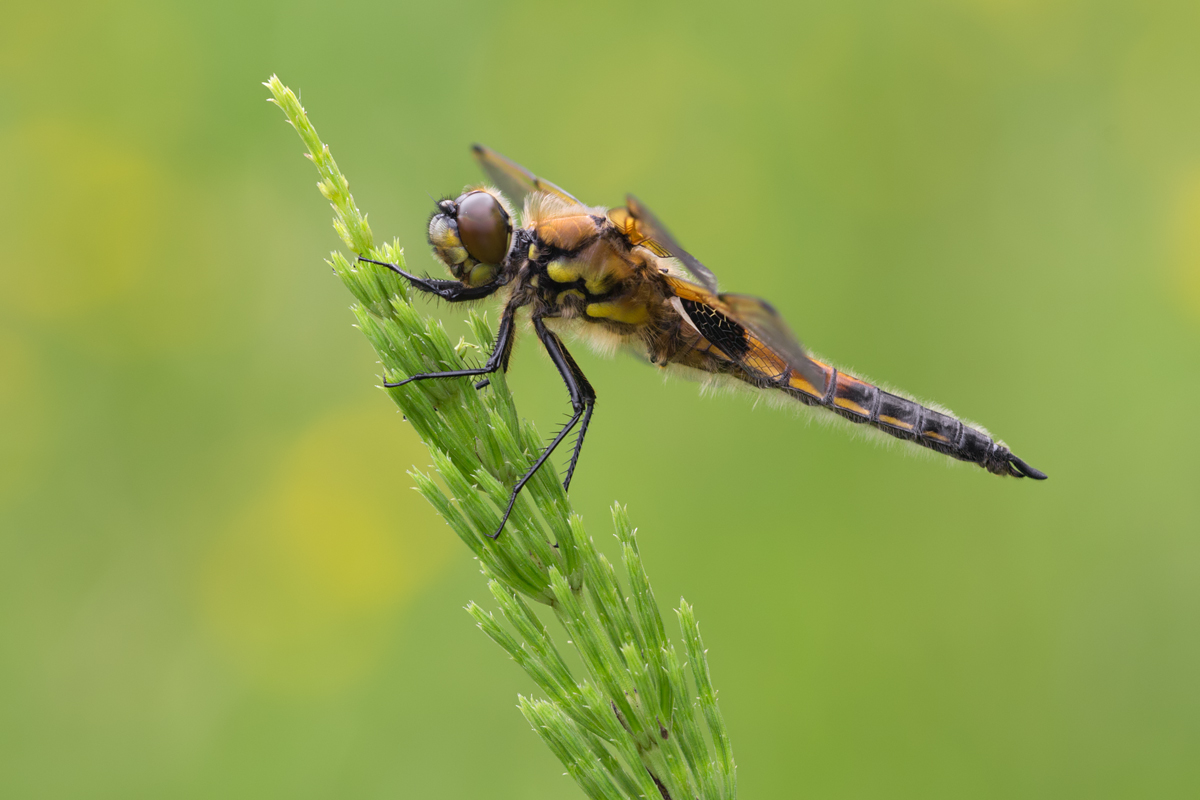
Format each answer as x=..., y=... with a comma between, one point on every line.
x=717, y=328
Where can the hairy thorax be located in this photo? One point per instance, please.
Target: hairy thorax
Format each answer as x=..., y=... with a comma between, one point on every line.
x=580, y=267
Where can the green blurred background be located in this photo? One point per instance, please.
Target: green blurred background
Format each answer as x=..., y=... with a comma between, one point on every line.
x=215, y=580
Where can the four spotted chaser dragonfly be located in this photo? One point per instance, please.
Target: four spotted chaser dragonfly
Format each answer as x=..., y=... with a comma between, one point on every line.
x=618, y=276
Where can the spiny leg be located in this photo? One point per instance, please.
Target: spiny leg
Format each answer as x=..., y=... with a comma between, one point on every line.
x=583, y=399
x=589, y=406
x=450, y=291
x=497, y=360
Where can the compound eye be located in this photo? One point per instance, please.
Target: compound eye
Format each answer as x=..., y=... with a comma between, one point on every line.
x=483, y=227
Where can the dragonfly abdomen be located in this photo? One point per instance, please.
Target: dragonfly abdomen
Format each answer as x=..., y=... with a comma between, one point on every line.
x=867, y=404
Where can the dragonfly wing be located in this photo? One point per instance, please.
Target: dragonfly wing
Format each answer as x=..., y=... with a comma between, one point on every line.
x=762, y=318
x=640, y=223
x=514, y=180
x=749, y=330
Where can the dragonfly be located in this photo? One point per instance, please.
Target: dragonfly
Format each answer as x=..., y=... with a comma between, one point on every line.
x=617, y=276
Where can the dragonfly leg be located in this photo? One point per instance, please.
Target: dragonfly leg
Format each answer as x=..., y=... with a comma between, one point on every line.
x=589, y=405
x=496, y=361
x=450, y=291
x=583, y=400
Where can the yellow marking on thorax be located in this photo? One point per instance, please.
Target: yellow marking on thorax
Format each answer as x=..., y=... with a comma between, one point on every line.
x=597, y=284
x=561, y=296
x=606, y=269
x=884, y=418
x=627, y=311
x=598, y=274
x=564, y=271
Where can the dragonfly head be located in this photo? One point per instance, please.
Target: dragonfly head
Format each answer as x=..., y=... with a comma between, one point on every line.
x=472, y=235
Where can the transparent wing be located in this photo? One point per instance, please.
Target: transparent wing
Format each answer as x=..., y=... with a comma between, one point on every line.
x=748, y=330
x=761, y=317
x=640, y=226
x=513, y=179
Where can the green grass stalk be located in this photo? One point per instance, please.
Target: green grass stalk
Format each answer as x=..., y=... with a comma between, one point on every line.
x=633, y=726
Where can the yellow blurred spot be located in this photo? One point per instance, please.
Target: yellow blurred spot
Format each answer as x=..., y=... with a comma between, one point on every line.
x=85, y=224
x=302, y=590
x=111, y=246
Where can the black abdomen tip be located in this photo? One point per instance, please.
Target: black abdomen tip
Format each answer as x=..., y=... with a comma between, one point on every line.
x=1023, y=470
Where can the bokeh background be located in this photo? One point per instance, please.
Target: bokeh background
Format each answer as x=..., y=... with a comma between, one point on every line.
x=215, y=580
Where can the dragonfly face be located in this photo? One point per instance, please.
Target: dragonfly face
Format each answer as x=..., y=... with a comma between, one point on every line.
x=619, y=275
x=472, y=235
